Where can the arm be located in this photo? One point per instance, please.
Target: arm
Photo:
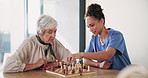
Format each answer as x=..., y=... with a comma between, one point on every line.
x=102, y=65
x=18, y=61
x=61, y=51
x=12, y=64
x=40, y=62
x=100, y=56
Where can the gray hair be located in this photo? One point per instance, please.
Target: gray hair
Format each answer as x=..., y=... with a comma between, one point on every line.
x=45, y=22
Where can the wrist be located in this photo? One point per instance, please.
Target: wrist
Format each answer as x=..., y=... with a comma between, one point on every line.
x=34, y=65
x=58, y=64
x=97, y=64
x=101, y=64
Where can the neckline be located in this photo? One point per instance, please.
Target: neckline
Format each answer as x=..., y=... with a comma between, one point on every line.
x=106, y=37
x=39, y=39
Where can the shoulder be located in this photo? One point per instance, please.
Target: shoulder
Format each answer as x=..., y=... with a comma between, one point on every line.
x=93, y=38
x=115, y=33
x=30, y=41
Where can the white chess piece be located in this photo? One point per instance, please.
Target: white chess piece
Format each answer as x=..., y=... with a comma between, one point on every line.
x=64, y=66
x=77, y=61
x=88, y=68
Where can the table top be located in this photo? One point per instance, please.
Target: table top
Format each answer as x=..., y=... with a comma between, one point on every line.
x=100, y=73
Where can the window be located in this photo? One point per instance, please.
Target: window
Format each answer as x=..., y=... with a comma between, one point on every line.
x=18, y=18
x=12, y=19
x=33, y=7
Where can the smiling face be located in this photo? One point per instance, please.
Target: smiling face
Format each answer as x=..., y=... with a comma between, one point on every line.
x=94, y=25
x=49, y=35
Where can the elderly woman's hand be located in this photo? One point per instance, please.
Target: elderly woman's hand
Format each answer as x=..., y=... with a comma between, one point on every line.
x=40, y=62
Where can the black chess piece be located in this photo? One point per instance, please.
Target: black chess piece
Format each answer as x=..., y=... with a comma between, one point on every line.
x=66, y=70
x=63, y=70
x=73, y=71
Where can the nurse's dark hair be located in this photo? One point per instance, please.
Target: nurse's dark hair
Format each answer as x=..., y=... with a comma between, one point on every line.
x=95, y=11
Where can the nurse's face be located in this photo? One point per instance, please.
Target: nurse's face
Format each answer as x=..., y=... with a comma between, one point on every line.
x=49, y=35
x=95, y=26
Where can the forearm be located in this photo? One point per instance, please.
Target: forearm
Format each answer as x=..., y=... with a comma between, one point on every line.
x=100, y=56
x=13, y=65
x=89, y=62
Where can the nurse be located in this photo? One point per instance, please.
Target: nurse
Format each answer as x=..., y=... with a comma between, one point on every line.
x=107, y=45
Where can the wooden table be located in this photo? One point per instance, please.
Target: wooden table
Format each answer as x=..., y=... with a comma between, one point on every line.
x=100, y=73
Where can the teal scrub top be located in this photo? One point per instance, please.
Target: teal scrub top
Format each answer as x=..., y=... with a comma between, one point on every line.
x=115, y=40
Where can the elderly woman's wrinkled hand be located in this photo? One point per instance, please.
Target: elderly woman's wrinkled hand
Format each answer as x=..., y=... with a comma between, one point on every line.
x=40, y=62
x=50, y=65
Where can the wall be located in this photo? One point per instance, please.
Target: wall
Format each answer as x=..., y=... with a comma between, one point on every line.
x=66, y=12
x=131, y=18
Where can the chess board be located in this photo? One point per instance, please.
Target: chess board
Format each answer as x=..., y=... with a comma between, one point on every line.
x=59, y=72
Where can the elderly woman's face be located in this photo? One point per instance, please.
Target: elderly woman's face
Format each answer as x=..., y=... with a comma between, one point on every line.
x=49, y=35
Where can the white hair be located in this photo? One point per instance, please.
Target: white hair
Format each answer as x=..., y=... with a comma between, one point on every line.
x=45, y=22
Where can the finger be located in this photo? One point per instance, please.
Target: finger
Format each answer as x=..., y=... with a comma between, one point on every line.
x=71, y=59
x=68, y=58
x=48, y=67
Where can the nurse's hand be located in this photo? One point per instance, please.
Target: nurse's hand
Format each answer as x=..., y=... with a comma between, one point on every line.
x=104, y=65
x=75, y=56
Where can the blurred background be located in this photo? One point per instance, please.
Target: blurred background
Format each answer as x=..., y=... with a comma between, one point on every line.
x=18, y=21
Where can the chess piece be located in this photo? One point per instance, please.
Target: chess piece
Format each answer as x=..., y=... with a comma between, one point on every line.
x=56, y=60
x=88, y=69
x=80, y=71
x=61, y=65
x=77, y=60
x=63, y=71
x=64, y=66
x=73, y=71
x=84, y=67
x=66, y=70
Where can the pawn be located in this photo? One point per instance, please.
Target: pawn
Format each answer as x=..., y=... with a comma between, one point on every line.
x=88, y=69
x=61, y=65
x=84, y=67
x=63, y=71
x=73, y=71
x=80, y=71
x=66, y=70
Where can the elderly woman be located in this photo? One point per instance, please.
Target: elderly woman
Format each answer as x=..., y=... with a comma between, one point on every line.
x=39, y=51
